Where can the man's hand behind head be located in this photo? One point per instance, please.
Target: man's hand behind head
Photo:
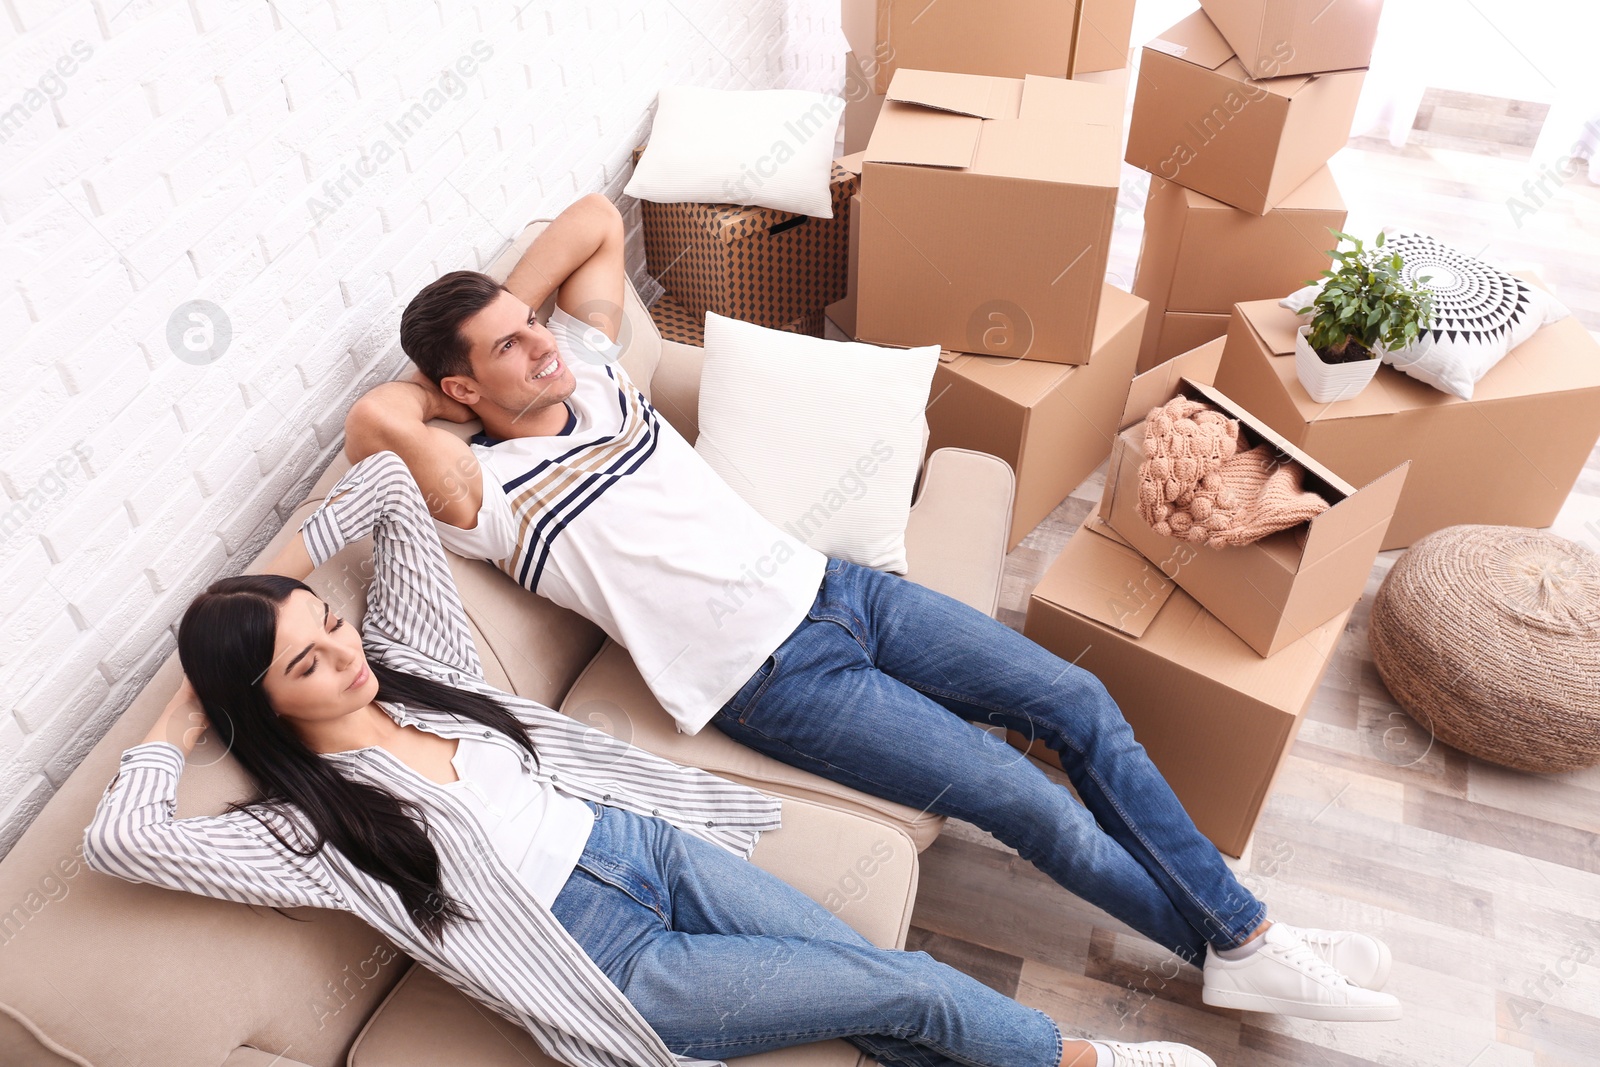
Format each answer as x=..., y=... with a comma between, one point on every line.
x=439, y=405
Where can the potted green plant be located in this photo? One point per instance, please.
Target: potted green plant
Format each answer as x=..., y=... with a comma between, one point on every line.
x=1364, y=309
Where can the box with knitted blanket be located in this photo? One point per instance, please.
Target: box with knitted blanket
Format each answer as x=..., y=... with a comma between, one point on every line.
x=1216, y=718
x=1508, y=457
x=1266, y=538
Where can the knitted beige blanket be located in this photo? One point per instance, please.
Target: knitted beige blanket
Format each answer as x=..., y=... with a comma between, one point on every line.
x=1196, y=484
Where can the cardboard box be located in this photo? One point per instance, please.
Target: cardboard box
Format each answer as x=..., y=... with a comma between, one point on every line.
x=861, y=103
x=678, y=323
x=1278, y=589
x=750, y=263
x=1201, y=121
x=1173, y=332
x=1297, y=36
x=1200, y=254
x=1509, y=456
x=1215, y=718
x=1156, y=385
x=1052, y=423
x=986, y=214
x=1058, y=38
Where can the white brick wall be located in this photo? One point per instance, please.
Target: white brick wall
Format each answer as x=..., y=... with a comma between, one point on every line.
x=154, y=152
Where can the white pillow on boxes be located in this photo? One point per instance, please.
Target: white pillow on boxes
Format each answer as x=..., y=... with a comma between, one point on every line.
x=1479, y=313
x=823, y=438
x=769, y=148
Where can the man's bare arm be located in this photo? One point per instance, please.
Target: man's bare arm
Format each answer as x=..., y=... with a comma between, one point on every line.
x=394, y=417
x=578, y=257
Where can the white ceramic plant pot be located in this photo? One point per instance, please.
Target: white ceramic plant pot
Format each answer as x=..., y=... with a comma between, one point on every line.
x=1329, y=382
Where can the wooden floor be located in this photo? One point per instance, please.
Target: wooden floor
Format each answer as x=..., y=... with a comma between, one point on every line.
x=1485, y=882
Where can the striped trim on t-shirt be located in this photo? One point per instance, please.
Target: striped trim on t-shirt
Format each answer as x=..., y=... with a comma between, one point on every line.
x=547, y=497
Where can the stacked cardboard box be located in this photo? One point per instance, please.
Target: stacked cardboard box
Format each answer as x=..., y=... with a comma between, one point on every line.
x=1200, y=120
x=1237, y=126
x=1201, y=256
x=1058, y=38
x=1297, y=36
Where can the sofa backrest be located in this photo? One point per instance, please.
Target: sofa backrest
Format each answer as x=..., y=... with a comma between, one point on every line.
x=100, y=970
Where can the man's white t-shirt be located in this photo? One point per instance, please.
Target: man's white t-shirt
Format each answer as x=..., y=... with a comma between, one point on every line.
x=620, y=520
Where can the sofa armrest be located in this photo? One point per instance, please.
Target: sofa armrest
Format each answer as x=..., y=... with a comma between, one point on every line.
x=956, y=539
x=675, y=389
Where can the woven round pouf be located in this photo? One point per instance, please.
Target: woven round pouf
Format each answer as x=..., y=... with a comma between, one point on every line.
x=1490, y=637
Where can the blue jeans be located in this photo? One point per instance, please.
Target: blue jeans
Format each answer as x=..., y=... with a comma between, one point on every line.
x=724, y=960
x=878, y=688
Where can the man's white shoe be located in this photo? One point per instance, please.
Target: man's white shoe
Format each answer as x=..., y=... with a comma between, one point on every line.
x=1361, y=958
x=1155, y=1054
x=1284, y=976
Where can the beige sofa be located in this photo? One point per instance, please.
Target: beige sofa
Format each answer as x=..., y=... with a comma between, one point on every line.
x=94, y=970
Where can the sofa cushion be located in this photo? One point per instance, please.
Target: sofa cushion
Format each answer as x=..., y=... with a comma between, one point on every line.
x=864, y=872
x=611, y=695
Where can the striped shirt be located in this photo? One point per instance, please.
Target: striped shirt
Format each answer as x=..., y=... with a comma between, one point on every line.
x=516, y=957
x=619, y=519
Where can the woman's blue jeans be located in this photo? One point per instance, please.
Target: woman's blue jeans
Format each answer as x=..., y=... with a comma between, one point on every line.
x=724, y=960
x=879, y=688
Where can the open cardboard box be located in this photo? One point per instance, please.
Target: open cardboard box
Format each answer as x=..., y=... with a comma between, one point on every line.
x=1201, y=121
x=1158, y=384
x=1052, y=423
x=1509, y=456
x=1280, y=588
x=1059, y=38
x=1215, y=718
x=1298, y=36
x=986, y=213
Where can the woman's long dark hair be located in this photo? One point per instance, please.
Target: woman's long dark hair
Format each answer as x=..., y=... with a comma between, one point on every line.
x=225, y=644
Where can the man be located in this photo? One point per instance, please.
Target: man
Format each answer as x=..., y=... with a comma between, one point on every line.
x=579, y=491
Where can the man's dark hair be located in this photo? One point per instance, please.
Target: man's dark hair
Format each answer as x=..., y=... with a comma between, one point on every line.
x=430, y=326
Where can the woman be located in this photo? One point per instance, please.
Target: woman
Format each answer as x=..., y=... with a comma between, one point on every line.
x=593, y=893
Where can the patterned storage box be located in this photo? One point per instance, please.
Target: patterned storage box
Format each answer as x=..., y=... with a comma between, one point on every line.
x=678, y=323
x=764, y=266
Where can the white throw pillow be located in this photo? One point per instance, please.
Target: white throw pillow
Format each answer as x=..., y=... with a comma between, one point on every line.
x=768, y=148
x=1479, y=313
x=823, y=438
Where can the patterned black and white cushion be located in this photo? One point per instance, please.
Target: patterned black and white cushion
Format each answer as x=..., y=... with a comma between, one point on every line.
x=1479, y=313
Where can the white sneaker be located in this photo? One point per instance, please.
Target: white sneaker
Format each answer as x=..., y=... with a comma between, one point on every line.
x=1155, y=1054
x=1284, y=976
x=1361, y=958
